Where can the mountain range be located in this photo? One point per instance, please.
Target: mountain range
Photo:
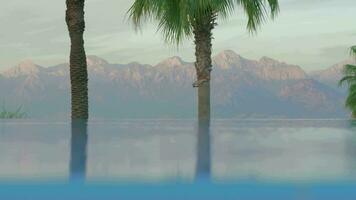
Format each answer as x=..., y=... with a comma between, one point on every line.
x=241, y=88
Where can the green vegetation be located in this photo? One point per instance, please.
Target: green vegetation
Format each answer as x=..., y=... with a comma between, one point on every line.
x=17, y=114
x=349, y=79
x=180, y=19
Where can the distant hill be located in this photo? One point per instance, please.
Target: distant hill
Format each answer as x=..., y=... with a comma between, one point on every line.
x=333, y=74
x=241, y=88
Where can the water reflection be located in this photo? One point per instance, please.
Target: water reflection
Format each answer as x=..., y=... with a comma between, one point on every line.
x=141, y=151
x=33, y=150
x=351, y=149
x=78, y=151
x=203, y=162
x=165, y=150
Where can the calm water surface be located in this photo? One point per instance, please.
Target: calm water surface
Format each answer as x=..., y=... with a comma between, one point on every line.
x=154, y=151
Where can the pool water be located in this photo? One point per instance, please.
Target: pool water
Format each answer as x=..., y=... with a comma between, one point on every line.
x=169, y=159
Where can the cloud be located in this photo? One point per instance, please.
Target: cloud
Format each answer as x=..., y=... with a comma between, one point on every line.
x=315, y=28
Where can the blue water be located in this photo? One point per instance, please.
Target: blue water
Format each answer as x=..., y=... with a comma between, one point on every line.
x=168, y=159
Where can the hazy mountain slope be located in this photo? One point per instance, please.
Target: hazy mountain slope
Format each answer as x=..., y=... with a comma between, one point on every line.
x=333, y=74
x=240, y=88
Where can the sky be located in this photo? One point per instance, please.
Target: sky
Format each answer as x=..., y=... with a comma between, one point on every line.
x=314, y=34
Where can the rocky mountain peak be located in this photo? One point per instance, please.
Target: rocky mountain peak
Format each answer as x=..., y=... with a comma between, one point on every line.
x=333, y=74
x=239, y=87
x=172, y=61
x=96, y=64
x=268, y=60
x=227, y=59
x=24, y=68
x=228, y=54
x=96, y=61
x=272, y=69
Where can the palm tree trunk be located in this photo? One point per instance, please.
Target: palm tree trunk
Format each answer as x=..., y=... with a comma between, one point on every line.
x=203, y=37
x=78, y=66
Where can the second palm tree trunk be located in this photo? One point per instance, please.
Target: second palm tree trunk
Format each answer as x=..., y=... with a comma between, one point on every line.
x=203, y=37
x=78, y=65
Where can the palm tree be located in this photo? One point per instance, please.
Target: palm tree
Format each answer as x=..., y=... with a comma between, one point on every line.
x=78, y=66
x=180, y=19
x=349, y=78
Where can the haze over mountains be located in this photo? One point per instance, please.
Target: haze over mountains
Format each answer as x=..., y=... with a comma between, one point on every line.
x=241, y=88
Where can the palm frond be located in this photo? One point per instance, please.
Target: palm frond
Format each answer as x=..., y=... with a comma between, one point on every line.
x=353, y=50
x=255, y=12
x=349, y=72
x=174, y=21
x=172, y=17
x=175, y=17
x=346, y=79
x=254, y=9
x=351, y=98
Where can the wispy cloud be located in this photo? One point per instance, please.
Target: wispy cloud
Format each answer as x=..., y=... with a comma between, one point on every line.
x=317, y=29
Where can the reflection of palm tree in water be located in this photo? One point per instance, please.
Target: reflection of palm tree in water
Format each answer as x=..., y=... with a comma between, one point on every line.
x=203, y=166
x=78, y=153
x=351, y=149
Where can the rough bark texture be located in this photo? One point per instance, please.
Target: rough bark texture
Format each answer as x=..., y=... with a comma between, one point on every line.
x=203, y=36
x=78, y=152
x=78, y=66
x=203, y=43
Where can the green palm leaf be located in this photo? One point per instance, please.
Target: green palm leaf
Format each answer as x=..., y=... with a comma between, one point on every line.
x=349, y=78
x=353, y=50
x=175, y=17
x=179, y=19
x=351, y=98
x=349, y=72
